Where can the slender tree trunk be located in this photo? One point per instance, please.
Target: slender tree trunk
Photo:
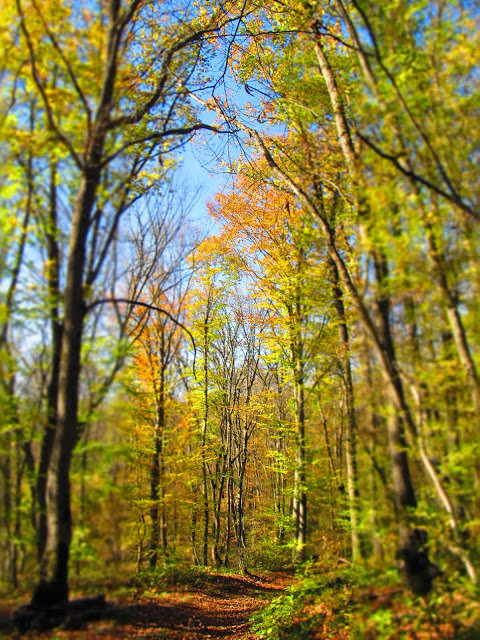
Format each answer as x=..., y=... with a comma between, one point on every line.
x=218, y=489
x=10, y=464
x=455, y=319
x=53, y=268
x=163, y=511
x=402, y=481
x=18, y=546
x=241, y=534
x=206, y=506
x=193, y=526
x=300, y=494
x=157, y=521
x=154, y=499
x=279, y=475
x=229, y=515
x=7, y=503
x=217, y=510
x=398, y=450
x=351, y=431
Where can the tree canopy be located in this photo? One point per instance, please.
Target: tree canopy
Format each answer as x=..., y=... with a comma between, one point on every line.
x=302, y=381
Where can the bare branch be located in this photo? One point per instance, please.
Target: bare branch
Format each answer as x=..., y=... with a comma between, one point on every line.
x=150, y=307
x=159, y=135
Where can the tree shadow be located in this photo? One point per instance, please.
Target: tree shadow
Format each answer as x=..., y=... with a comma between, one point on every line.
x=180, y=617
x=225, y=586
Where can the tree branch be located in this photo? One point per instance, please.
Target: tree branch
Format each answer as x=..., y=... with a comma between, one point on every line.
x=39, y=84
x=150, y=307
x=159, y=135
x=454, y=199
x=67, y=64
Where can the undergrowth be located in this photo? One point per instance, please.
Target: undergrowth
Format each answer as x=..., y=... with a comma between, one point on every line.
x=343, y=603
x=170, y=573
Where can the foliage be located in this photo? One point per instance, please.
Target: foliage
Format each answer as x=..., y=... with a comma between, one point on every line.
x=316, y=605
x=173, y=572
x=348, y=603
x=334, y=313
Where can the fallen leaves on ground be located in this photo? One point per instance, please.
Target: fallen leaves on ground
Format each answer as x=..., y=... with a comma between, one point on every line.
x=218, y=607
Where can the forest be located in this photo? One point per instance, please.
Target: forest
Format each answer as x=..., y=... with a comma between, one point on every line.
x=240, y=319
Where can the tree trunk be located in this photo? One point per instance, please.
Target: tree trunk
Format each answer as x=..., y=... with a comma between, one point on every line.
x=402, y=481
x=68, y=385
x=300, y=494
x=74, y=313
x=455, y=320
x=351, y=432
x=157, y=518
x=53, y=269
x=398, y=451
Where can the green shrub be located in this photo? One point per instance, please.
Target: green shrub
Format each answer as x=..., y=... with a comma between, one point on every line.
x=315, y=603
x=172, y=572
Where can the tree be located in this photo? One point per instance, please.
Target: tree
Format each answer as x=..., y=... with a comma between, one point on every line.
x=129, y=102
x=317, y=35
x=274, y=242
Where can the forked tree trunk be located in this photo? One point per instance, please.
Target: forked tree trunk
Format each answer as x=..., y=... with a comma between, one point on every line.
x=74, y=310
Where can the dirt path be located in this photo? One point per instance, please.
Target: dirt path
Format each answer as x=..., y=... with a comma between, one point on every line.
x=218, y=607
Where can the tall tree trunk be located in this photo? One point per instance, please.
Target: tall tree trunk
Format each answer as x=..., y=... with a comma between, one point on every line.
x=74, y=311
x=217, y=512
x=300, y=479
x=193, y=526
x=458, y=330
x=351, y=431
x=404, y=492
x=218, y=490
x=157, y=490
x=206, y=506
x=240, y=523
x=10, y=460
x=68, y=385
x=6, y=467
x=402, y=481
x=53, y=286
x=279, y=479
x=17, y=529
x=230, y=514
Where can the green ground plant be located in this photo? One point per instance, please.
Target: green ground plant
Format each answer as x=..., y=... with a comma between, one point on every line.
x=346, y=603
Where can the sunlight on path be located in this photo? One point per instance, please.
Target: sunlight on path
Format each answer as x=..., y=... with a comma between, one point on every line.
x=220, y=607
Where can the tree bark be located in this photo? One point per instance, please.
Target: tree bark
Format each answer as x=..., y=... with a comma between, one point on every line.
x=351, y=431
x=74, y=309
x=300, y=479
x=68, y=387
x=206, y=506
x=53, y=287
x=402, y=481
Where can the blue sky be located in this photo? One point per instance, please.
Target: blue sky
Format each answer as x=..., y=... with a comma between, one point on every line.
x=202, y=174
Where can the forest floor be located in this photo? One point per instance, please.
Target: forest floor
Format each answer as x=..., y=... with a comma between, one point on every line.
x=217, y=607
x=194, y=605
